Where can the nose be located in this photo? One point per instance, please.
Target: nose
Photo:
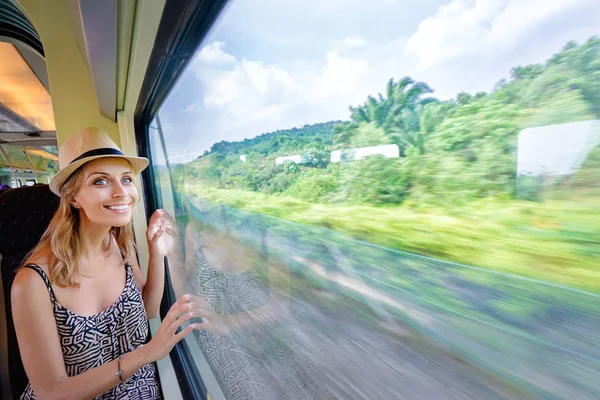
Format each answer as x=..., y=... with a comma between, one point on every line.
x=119, y=190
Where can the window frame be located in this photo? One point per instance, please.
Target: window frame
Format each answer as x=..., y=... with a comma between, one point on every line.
x=183, y=27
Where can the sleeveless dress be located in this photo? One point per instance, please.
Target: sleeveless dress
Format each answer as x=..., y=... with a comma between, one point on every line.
x=91, y=341
x=259, y=362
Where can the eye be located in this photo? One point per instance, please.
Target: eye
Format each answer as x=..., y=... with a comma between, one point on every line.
x=127, y=179
x=100, y=181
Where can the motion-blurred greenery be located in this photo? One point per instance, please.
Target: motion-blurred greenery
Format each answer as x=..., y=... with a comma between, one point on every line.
x=452, y=193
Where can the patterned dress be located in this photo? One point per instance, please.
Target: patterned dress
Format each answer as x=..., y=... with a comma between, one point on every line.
x=88, y=342
x=259, y=362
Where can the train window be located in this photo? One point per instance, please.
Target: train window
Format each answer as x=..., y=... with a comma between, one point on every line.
x=389, y=199
x=163, y=183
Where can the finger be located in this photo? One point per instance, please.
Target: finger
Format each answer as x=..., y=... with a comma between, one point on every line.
x=179, y=321
x=157, y=214
x=150, y=232
x=178, y=314
x=155, y=221
x=201, y=313
x=158, y=234
x=199, y=302
x=184, y=332
x=152, y=229
x=202, y=326
x=197, y=305
x=171, y=231
x=177, y=309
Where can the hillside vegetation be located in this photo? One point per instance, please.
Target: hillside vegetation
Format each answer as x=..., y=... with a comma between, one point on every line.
x=452, y=192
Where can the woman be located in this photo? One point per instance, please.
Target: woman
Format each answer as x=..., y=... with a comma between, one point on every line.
x=80, y=303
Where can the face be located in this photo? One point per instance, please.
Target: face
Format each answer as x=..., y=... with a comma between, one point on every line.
x=107, y=194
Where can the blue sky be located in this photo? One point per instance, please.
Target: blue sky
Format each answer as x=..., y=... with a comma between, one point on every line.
x=275, y=64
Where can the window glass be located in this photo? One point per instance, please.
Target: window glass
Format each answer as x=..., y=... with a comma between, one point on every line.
x=162, y=177
x=385, y=199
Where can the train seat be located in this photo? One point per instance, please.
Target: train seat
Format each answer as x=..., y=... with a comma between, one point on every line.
x=25, y=213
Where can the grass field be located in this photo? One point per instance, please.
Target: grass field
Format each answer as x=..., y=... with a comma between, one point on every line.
x=556, y=240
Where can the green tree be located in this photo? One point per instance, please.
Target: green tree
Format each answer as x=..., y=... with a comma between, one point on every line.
x=376, y=180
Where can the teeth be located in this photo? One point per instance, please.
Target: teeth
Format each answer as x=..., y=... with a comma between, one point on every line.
x=120, y=208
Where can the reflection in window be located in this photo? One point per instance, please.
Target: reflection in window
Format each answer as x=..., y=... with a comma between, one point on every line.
x=248, y=337
x=162, y=174
x=390, y=199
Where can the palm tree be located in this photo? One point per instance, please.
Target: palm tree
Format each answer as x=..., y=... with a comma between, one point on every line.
x=371, y=111
x=406, y=94
x=398, y=112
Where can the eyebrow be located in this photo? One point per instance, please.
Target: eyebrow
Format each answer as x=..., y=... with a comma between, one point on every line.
x=106, y=173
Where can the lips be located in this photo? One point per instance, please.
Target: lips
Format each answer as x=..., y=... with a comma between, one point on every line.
x=119, y=208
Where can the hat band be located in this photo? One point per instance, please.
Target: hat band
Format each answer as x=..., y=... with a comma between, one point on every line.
x=107, y=151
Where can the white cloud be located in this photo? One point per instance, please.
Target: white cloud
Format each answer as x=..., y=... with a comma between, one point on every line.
x=214, y=53
x=339, y=75
x=350, y=42
x=466, y=45
x=466, y=27
x=229, y=81
x=254, y=97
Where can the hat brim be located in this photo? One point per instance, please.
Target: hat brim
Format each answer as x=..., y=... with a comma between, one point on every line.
x=138, y=165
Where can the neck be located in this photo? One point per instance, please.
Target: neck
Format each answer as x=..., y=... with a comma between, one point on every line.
x=94, y=238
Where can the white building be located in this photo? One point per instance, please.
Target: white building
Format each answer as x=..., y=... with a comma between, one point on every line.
x=386, y=150
x=243, y=158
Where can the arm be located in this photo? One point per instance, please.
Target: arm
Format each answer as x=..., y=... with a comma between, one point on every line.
x=40, y=349
x=155, y=283
x=162, y=240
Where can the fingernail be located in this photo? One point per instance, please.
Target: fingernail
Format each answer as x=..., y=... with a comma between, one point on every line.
x=188, y=315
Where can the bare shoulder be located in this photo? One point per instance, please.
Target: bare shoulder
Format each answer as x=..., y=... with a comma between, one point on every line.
x=27, y=282
x=42, y=259
x=28, y=285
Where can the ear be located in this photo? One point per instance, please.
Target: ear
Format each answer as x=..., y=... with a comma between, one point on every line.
x=74, y=203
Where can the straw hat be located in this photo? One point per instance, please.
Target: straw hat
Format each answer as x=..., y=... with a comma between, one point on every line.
x=87, y=145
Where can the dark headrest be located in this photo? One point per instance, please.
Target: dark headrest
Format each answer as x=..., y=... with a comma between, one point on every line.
x=24, y=215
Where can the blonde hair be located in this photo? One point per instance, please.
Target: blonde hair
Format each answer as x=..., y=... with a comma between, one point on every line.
x=63, y=238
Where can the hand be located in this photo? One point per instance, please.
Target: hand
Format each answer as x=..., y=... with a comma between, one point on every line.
x=162, y=234
x=165, y=337
x=211, y=320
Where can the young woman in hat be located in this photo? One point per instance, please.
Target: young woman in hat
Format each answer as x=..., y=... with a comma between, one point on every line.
x=80, y=303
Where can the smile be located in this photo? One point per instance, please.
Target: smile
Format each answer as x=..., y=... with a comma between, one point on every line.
x=119, y=208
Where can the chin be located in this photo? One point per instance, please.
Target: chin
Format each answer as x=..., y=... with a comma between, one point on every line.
x=121, y=222
x=116, y=222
